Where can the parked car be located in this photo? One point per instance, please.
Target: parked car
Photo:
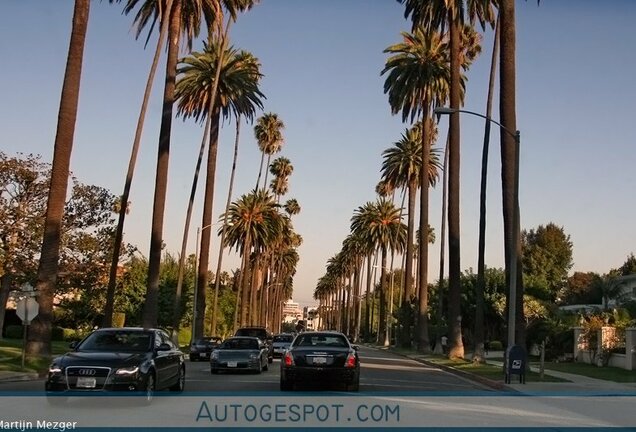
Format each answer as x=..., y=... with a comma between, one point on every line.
x=118, y=359
x=262, y=334
x=240, y=353
x=280, y=343
x=202, y=347
x=320, y=357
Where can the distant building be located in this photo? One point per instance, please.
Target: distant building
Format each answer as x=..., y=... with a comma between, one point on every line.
x=292, y=312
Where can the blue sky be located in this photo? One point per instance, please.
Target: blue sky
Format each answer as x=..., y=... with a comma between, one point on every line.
x=322, y=62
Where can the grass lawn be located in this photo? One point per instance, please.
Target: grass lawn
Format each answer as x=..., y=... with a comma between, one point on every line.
x=489, y=371
x=605, y=373
x=11, y=356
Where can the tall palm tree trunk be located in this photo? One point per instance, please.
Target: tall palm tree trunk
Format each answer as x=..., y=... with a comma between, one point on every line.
x=39, y=338
x=206, y=221
x=245, y=282
x=151, y=305
x=186, y=229
x=123, y=208
x=454, y=269
x=509, y=157
x=478, y=352
x=383, y=298
x=423, y=344
x=217, y=279
x=367, y=301
x=440, y=281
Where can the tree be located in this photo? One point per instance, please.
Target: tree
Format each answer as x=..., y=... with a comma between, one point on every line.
x=255, y=222
x=547, y=260
x=39, y=339
x=237, y=93
x=579, y=289
x=401, y=167
x=379, y=224
x=417, y=82
x=269, y=137
x=24, y=182
x=123, y=210
x=629, y=266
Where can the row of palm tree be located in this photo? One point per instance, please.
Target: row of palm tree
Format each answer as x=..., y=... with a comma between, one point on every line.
x=424, y=72
x=207, y=86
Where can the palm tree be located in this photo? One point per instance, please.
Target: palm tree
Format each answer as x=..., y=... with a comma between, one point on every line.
x=433, y=15
x=39, y=339
x=123, y=208
x=379, y=223
x=269, y=137
x=509, y=157
x=255, y=223
x=237, y=93
x=401, y=166
x=417, y=82
x=478, y=351
x=281, y=168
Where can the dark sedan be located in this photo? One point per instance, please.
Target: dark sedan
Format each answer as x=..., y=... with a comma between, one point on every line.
x=118, y=359
x=201, y=348
x=240, y=353
x=318, y=358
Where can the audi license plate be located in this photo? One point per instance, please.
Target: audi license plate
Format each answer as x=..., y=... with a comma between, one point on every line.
x=86, y=382
x=232, y=364
x=320, y=360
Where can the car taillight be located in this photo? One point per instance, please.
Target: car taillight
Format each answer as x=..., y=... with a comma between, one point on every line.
x=351, y=361
x=288, y=359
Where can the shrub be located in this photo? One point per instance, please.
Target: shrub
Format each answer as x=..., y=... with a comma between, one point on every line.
x=496, y=346
x=13, y=332
x=57, y=334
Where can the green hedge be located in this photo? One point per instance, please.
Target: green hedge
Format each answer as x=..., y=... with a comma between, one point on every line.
x=496, y=346
x=14, y=332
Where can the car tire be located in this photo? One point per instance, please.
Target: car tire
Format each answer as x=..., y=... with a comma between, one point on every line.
x=179, y=386
x=214, y=371
x=285, y=385
x=354, y=386
x=270, y=359
x=151, y=386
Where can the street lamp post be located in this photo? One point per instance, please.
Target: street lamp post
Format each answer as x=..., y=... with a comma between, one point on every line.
x=512, y=294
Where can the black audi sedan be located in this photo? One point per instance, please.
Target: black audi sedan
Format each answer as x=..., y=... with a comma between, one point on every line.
x=320, y=357
x=118, y=359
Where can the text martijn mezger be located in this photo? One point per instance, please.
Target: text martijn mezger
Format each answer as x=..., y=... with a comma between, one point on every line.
x=24, y=425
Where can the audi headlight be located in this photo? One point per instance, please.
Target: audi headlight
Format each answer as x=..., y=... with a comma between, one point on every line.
x=214, y=355
x=254, y=356
x=131, y=370
x=55, y=369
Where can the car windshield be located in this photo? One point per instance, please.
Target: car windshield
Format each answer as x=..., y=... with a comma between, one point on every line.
x=321, y=340
x=283, y=338
x=240, y=344
x=117, y=341
x=206, y=341
x=259, y=333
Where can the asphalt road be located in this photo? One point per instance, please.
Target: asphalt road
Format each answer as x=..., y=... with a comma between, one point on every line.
x=381, y=371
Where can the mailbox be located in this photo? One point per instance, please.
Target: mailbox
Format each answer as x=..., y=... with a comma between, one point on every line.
x=516, y=362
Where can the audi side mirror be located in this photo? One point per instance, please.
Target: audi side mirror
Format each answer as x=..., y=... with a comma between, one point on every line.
x=164, y=347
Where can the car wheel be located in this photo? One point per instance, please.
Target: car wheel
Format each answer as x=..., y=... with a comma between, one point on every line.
x=354, y=386
x=285, y=385
x=180, y=384
x=270, y=359
x=150, y=389
x=214, y=371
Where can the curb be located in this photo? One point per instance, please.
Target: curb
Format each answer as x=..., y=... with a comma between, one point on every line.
x=18, y=376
